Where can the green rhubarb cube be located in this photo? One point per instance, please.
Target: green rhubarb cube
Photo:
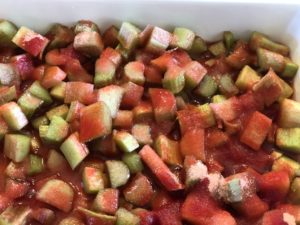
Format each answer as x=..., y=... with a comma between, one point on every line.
x=13, y=116
x=7, y=94
x=61, y=111
x=99, y=217
x=217, y=49
x=58, y=91
x=60, y=36
x=105, y=71
x=125, y=217
x=86, y=26
x=73, y=150
x=289, y=114
x=159, y=40
x=39, y=121
x=134, y=72
x=207, y=115
x=133, y=162
x=15, y=215
x=227, y=86
x=37, y=90
x=7, y=32
x=207, y=87
x=199, y=46
x=29, y=104
x=247, y=78
x=118, y=172
x=288, y=139
x=125, y=141
x=183, y=38
x=288, y=164
x=92, y=179
x=128, y=35
x=142, y=133
x=174, y=79
x=228, y=40
x=290, y=69
x=55, y=132
x=35, y=165
x=268, y=59
x=88, y=43
x=294, y=194
x=16, y=146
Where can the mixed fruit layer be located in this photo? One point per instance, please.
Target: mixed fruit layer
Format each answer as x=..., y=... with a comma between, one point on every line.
x=146, y=127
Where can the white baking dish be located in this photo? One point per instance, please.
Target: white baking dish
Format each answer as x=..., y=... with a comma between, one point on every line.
x=279, y=19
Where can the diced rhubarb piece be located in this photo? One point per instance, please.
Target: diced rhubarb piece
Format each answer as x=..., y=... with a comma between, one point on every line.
x=227, y=110
x=44, y=216
x=287, y=164
x=92, y=179
x=145, y=34
x=73, y=150
x=143, y=112
x=201, y=208
x=207, y=87
x=29, y=104
x=105, y=71
x=168, y=150
x=240, y=56
x=56, y=162
x=293, y=210
x=195, y=171
x=74, y=111
x=256, y=130
x=182, y=38
x=167, y=214
x=125, y=141
x=216, y=138
x=7, y=94
x=71, y=220
x=7, y=32
x=60, y=111
x=110, y=36
x=174, y=79
x=268, y=59
x=40, y=92
x=16, y=146
x=287, y=91
x=294, y=193
x=56, y=131
x=290, y=69
x=125, y=217
x=217, y=48
x=132, y=94
x=13, y=116
x=88, y=43
x=39, y=121
x=124, y=119
x=146, y=217
x=38, y=72
x=16, y=189
x=247, y=78
x=134, y=72
x=111, y=95
x=113, y=55
x=139, y=191
x=105, y=146
x=159, y=40
x=251, y=207
x=23, y=65
x=15, y=171
x=192, y=143
x=86, y=26
x=164, y=104
x=133, y=162
x=199, y=46
x=207, y=115
x=76, y=72
x=142, y=133
x=30, y=41
x=180, y=103
x=34, y=165
x=288, y=139
x=15, y=215
x=152, y=75
x=269, y=88
x=57, y=193
x=228, y=40
x=3, y=128
x=274, y=185
x=83, y=96
x=160, y=170
x=289, y=109
x=227, y=86
x=59, y=36
x=53, y=76
x=194, y=73
x=128, y=35
x=118, y=172
x=107, y=201
x=126, y=53
x=8, y=75
x=259, y=40
x=58, y=91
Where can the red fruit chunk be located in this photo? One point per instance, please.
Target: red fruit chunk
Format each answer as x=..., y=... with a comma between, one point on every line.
x=76, y=72
x=78, y=91
x=109, y=201
x=95, y=121
x=38, y=73
x=160, y=170
x=240, y=56
x=15, y=189
x=5, y=201
x=132, y=95
x=53, y=76
x=23, y=65
x=153, y=75
x=273, y=217
x=161, y=198
x=192, y=143
x=256, y=130
x=274, y=185
x=227, y=110
x=139, y=191
x=164, y=104
x=113, y=55
x=169, y=214
x=291, y=209
x=251, y=207
x=147, y=217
